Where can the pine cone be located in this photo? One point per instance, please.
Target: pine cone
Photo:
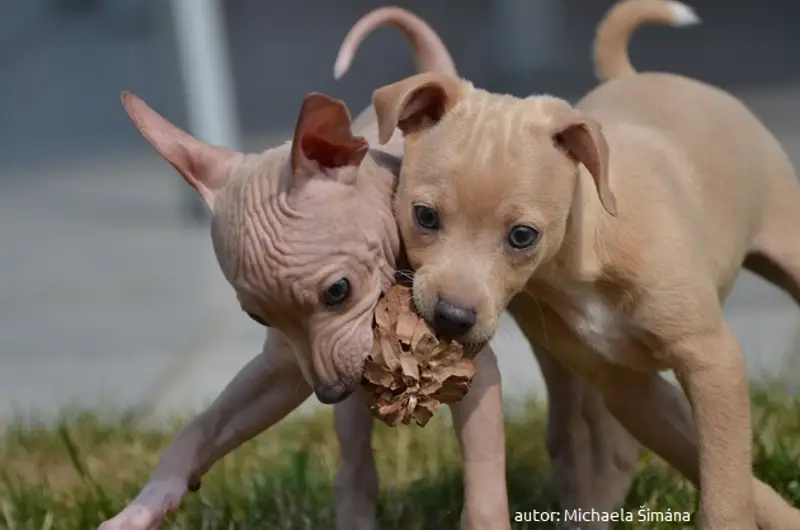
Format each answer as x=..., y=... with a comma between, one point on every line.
x=410, y=372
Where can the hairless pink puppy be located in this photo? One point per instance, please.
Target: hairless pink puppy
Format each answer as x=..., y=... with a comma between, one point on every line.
x=305, y=235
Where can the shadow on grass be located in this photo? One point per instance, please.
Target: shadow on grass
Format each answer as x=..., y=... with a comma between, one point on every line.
x=74, y=476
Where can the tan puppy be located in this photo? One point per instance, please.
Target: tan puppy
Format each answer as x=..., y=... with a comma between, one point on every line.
x=613, y=231
x=593, y=457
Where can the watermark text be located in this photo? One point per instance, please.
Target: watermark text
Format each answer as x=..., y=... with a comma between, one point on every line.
x=576, y=517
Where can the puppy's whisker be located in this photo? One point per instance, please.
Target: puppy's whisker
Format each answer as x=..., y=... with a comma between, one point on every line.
x=403, y=275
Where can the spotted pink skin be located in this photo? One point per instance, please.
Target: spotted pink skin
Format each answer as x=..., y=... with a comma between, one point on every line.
x=286, y=225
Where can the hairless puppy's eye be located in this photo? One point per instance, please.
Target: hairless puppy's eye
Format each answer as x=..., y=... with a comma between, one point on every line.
x=426, y=217
x=257, y=319
x=336, y=293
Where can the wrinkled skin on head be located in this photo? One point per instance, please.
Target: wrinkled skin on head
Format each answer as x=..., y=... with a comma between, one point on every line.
x=489, y=191
x=292, y=234
x=283, y=257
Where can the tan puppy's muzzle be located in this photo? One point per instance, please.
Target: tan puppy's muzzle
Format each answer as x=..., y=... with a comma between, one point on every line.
x=452, y=320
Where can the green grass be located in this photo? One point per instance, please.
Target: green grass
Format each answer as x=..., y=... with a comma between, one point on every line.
x=74, y=476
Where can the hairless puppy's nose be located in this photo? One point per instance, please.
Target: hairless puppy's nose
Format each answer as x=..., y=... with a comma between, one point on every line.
x=332, y=393
x=452, y=320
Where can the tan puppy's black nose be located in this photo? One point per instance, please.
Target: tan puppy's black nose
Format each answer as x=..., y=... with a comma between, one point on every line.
x=332, y=393
x=451, y=320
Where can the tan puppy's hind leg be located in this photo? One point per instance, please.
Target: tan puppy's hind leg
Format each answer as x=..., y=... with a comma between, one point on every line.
x=356, y=480
x=616, y=451
x=775, y=255
x=593, y=456
x=662, y=417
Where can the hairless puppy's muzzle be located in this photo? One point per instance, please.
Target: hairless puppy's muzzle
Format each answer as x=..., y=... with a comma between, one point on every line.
x=332, y=393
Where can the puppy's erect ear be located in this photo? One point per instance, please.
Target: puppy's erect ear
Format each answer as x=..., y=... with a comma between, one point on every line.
x=583, y=139
x=207, y=168
x=323, y=140
x=414, y=104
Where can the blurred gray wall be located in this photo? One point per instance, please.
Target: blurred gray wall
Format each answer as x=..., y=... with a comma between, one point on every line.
x=63, y=63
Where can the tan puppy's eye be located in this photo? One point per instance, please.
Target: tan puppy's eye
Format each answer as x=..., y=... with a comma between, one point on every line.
x=521, y=237
x=426, y=217
x=257, y=319
x=336, y=293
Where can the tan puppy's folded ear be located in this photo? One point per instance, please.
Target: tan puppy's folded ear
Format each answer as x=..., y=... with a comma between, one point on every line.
x=323, y=140
x=414, y=104
x=583, y=139
x=207, y=168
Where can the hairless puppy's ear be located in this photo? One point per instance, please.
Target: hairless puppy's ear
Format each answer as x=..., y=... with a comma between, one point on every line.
x=207, y=168
x=583, y=139
x=323, y=140
x=415, y=103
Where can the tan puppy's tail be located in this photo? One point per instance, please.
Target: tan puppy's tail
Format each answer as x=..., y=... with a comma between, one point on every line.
x=611, y=58
x=430, y=53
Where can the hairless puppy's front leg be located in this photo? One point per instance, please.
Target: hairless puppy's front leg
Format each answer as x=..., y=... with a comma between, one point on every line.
x=356, y=481
x=261, y=394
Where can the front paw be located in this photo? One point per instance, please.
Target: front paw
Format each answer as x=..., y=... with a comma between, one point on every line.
x=135, y=517
x=148, y=509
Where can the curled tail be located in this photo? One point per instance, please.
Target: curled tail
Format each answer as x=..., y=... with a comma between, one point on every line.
x=611, y=58
x=430, y=53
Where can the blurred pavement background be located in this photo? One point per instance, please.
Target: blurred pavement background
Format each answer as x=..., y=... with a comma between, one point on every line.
x=110, y=295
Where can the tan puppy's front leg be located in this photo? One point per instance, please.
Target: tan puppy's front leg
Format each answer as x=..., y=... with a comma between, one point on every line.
x=711, y=370
x=480, y=427
x=261, y=394
x=356, y=481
